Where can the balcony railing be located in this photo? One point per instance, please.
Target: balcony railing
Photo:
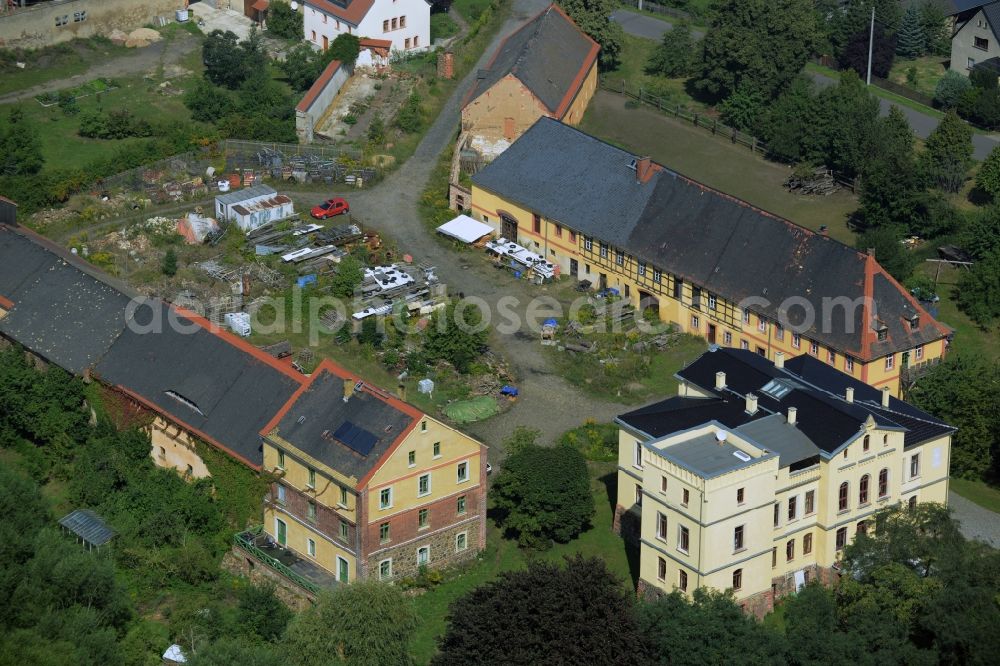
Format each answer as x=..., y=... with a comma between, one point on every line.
x=248, y=541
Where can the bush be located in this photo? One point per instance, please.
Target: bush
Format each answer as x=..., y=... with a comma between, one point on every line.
x=674, y=56
x=410, y=119
x=118, y=124
x=283, y=21
x=596, y=441
x=543, y=495
x=950, y=89
x=988, y=178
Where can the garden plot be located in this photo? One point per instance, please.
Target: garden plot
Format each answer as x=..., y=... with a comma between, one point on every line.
x=94, y=87
x=359, y=101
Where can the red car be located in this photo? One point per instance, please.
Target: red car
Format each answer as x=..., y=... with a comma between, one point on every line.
x=330, y=208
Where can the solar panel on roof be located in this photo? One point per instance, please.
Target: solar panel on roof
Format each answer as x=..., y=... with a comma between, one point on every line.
x=357, y=439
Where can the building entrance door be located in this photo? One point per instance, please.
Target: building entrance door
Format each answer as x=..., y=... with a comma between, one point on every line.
x=508, y=227
x=711, y=334
x=574, y=267
x=326, y=42
x=281, y=531
x=603, y=282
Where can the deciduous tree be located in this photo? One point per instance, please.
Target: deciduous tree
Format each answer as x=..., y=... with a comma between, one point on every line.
x=578, y=613
x=543, y=494
x=988, y=178
x=674, y=56
x=366, y=623
x=283, y=21
x=758, y=45
x=948, y=153
x=592, y=16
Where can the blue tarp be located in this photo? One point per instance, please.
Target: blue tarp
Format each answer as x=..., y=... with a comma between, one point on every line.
x=509, y=390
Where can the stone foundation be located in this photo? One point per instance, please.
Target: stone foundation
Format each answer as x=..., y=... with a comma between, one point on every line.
x=241, y=563
x=442, y=545
x=648, y=591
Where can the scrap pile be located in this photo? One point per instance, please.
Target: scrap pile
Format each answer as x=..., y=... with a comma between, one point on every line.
x=521, y=261
x=812, y=181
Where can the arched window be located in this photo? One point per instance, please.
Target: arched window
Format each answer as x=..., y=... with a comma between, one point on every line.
x=885, y=440
x=863, y=527
x=863, y=490
x=883, y=483
x=867, y=443
x=842, y=503
x=913, y=502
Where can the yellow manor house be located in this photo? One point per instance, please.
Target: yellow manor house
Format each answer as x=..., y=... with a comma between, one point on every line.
x=711, y=264
x=369, y=486
x=757, y=474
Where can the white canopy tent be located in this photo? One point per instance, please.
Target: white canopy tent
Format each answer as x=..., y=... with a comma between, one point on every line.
x=465, y=229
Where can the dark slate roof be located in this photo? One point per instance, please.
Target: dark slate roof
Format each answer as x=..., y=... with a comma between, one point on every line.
x=61, y=312
x=682, y=413
x=713, y=240
x=549, y=55
x=209, y=381
x=992, y=12
x=318, y=418
x=570, y=177
x=88, y=526
x=824, y=416
x=790, y=443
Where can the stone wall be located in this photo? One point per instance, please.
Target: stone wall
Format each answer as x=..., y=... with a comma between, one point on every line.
x=240, y=563
x=442, y=545
x=318, y=99
x=62, y=20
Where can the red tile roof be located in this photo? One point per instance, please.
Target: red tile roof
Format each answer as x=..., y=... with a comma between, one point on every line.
x=318, y=86
x=353, y=13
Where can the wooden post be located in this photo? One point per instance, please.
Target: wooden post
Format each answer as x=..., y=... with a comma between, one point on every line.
x=753, y=144
x=623, y=86
x=715, y=125
x=696, y=120
x=734, y=135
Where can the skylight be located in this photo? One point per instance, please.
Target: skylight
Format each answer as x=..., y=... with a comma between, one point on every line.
x=777, y=389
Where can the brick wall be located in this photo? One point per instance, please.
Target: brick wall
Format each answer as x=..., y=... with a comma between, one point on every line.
x=327, y=519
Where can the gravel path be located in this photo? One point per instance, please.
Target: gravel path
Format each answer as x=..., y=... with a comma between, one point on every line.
x=976, y=522
x=165, y=52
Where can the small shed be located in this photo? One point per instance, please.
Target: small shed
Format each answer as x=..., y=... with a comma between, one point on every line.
x=88, y=528
x=253, y=207
x=373, y=54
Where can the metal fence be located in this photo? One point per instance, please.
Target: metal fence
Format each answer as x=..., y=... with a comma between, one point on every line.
x=245, y=541
x=182, y=176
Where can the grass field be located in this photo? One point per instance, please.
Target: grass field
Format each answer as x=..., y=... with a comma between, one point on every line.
x=716, y=162
x=981, y=493
x=929, y=70
x=55, y=62
x=632, y=69
x=470, y=9
x=969, y=337
x=504, y=555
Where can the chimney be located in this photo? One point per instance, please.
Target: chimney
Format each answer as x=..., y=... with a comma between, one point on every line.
x=792, y=413
x=871, y=252
x=643, y=169
x=885, y=396
x=751, y=403
x=850, y=394
x=720, y=380
x=402, y=391
x=779, y=359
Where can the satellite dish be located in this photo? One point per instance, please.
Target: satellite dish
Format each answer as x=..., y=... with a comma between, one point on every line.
x=720, y=435
x=295, y=6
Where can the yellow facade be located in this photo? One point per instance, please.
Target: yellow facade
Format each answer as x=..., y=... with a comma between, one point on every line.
x=172, y=448
x=774, y=506
x=691, y=309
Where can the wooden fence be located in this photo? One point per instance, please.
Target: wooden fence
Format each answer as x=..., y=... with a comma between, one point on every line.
x=706, y=122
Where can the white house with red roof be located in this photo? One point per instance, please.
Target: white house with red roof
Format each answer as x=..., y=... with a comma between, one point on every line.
x=405, y=23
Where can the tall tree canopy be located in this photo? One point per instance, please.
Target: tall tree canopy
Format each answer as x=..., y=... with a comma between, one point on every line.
x=592, y=16
x=758, y=45
x=578, y=613
x=948, y=155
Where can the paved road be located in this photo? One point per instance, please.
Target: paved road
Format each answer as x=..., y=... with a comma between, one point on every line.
x=976, y=522
x=165, y=52
x=650, y=27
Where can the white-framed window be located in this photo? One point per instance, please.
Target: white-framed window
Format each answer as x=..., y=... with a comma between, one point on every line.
x=637, y=455
x=384, y=533
x=423, y=519
x=385, y=569
x=411, y=459
x=423, y=556
x=683, y=539
x=831, y=357
x=744, y=345
x=746, y=316
x=280, y=494
x=661, y=526
x=619, y=257
x=281, y=459
x=423, y=485
x=343, y=496
x=423, y=426
x=603, y=250
x=661, y=568
x=588, y=243
x=463, y=472
x=738, y=536
x=345, y=530
x=437, y=449
x=343, y=570
x=663, y=485
x=461, y=541
x=385, y=498
x=713, y=302
x=848, y=364
x=641, y=268
x=311, y=547
x=311, y=512
x=695, y=322
x=918, y=352
x=727, y=338
x=914, y=465
x=813, y=348
x=657, y=275
x=890, y=361
x=312, y=479
x=796, y=340
x=761, y=324
x=460, y=505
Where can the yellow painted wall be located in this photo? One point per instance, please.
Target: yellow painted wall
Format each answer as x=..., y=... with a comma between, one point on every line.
x=732, y=327
x=579, y=106
x=396, y=473
x=327, y=549
x=508, y=98
x=172, y=448
x=327, y=490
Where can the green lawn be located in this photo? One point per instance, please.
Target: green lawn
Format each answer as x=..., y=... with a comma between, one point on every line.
x=715, y=161
x=54, y=62
x=504, y=555
x=969, y=337
x=929, y=70
x=442, y=26
x=981, y=493
x=470, y=9
x=636, y=52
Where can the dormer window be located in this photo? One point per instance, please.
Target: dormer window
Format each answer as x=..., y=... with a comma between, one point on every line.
x=914, y=322
x=883, y=334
